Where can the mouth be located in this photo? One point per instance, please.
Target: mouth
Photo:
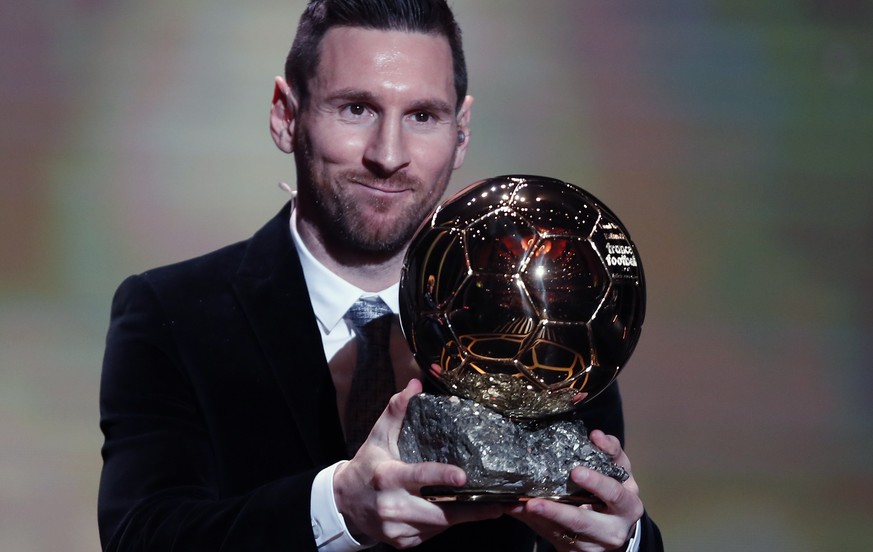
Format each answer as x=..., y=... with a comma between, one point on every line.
x=389, y=187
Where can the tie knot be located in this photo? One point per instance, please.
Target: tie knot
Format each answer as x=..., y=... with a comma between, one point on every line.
x=365, y=310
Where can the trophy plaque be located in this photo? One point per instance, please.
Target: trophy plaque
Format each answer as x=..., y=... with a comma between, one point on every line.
x=521, y=297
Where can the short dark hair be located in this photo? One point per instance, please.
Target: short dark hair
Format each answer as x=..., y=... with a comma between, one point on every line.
x=421, y=16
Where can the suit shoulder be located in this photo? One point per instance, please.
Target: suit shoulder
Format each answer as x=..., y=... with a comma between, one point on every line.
x=186, y=278
x=259, y=253
x=205, y=284
x=218, y=264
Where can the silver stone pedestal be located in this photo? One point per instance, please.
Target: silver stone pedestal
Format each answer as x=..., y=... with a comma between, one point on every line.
x=505, y=459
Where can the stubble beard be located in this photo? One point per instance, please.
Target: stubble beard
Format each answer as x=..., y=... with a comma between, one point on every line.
x=380, y=228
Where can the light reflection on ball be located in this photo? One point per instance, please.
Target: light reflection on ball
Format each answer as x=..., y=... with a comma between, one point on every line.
x=523, y=293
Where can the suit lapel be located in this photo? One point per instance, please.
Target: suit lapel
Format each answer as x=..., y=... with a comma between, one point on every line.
x=273, y=294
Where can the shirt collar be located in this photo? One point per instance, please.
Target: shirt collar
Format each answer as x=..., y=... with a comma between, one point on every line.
x=331, y=296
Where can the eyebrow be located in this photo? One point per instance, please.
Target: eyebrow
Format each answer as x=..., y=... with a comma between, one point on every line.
x=433, y=106
x=351, y=94
x=356, y=95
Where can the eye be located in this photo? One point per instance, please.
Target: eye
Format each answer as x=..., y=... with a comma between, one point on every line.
x=422, y=117
x=355, y=111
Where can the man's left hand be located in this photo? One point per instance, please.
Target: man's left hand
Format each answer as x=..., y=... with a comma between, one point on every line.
x=595, y=528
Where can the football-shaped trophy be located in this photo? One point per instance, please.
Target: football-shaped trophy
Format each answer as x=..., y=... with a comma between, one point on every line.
x=522, y=297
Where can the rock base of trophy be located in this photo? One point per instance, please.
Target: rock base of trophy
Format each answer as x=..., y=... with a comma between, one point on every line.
x=505, y=459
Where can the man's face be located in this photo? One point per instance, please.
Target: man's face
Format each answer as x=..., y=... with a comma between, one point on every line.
x=378, y=139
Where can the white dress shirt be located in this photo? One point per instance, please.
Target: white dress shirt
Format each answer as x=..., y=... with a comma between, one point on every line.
x=331, y=297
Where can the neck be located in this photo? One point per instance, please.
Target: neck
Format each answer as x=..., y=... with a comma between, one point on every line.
x=370, y=271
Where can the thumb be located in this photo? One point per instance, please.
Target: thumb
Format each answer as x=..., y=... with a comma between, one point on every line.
x=398, y=403
x=387, y=427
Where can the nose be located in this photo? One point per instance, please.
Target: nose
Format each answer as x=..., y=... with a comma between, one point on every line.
x=387, y=150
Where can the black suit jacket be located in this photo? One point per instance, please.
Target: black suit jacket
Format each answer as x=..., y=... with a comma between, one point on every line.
x=218, y=409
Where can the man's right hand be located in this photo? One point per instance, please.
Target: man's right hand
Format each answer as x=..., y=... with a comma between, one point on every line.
x=379, y=496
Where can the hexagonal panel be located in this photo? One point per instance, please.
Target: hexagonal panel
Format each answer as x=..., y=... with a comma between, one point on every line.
x=498, y=243
x=565, y=278
x=491, y=316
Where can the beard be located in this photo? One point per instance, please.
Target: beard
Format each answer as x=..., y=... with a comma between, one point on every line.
x=381, y=227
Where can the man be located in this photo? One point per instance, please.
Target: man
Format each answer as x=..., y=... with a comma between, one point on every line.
x=224, y=399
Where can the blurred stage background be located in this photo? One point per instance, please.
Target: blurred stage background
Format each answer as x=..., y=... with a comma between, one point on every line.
x=734, y=138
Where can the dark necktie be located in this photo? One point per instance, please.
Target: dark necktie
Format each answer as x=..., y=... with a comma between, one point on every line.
x=373, y=379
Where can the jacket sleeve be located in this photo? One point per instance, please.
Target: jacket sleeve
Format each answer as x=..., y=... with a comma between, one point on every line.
x=159, y=488
x=650, y=538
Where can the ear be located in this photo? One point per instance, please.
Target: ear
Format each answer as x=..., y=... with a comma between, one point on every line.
x=282, y=116
x=463, y=119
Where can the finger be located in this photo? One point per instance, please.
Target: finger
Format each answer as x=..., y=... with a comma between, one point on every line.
x=414, y=520
x=553, y=519
x=412, y=388
x=387, y=428
x=618, y=498
x=431, y=516
x=607, y=443
x=413, y=477
x=396, y=408
x=466, y=512
x=611, y=446
x=555, y=514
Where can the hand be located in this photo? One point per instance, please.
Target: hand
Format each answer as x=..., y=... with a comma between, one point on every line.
x=379, y=496
x=599, y=527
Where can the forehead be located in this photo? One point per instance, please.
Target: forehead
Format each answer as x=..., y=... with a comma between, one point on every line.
x=387, y=61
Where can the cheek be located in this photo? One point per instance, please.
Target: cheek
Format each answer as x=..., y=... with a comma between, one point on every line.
x=337, y=145
x=435, y=157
